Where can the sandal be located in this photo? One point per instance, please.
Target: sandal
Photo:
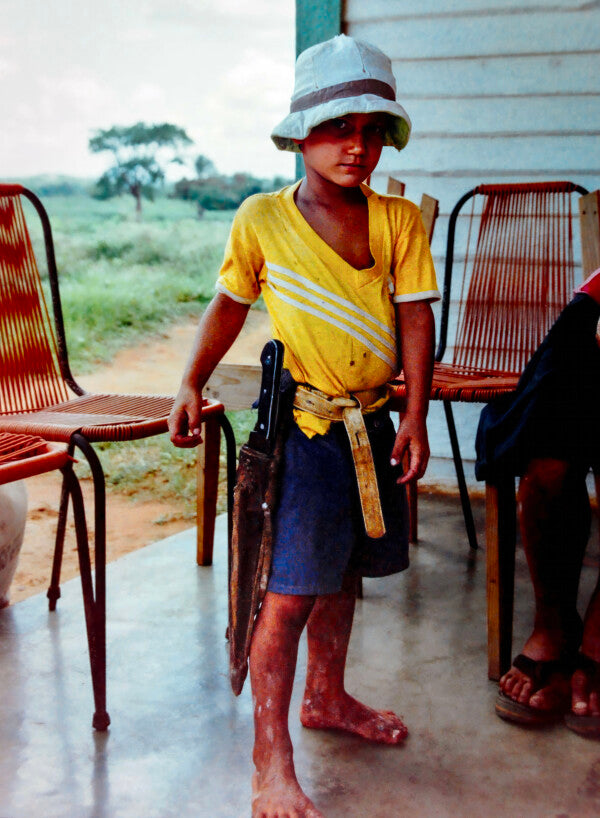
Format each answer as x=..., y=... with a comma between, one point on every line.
x=540, y=672
x=586, y=725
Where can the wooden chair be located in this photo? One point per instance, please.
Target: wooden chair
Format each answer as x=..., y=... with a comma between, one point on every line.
x=40, y=396
x=429, y=213
x=501, y=512
x=516, y=253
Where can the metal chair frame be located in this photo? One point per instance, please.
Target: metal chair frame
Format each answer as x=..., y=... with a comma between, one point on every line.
x=80, y=434
x=497, y=383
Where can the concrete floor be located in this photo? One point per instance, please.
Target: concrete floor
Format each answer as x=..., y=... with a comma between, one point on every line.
x=179, y=743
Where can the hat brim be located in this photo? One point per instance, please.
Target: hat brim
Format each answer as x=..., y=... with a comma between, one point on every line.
x=299, y=124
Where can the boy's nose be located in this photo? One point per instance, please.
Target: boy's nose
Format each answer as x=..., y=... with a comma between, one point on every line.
x=357, y=143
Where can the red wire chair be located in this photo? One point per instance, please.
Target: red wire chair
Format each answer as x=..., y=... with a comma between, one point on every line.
x=23, y=456
x=518, y=272
x=40, y=396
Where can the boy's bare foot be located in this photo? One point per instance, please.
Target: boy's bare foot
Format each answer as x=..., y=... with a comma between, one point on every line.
x=280, y=796
x=350, y=715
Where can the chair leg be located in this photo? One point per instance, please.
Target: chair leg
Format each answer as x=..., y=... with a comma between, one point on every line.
x=231, y=462
x=53, y=592
x=460, y=476
x=500, y=543
x=207, y=490
x=208, y=484
x=95, y=605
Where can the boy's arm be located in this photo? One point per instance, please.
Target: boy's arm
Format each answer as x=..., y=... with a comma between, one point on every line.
x=217, y=330
x=416, y=333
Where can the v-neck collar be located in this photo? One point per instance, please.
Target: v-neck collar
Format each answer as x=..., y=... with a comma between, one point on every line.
x=318, y=244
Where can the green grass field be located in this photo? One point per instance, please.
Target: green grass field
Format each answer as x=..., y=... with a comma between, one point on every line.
x=121, y=279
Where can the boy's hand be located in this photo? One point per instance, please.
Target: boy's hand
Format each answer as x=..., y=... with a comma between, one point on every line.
x=412, y=439
x=185, y=420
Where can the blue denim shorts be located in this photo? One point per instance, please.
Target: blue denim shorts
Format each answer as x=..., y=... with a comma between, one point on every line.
x=319, y=533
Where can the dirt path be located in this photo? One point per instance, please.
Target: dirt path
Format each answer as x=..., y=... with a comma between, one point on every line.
x=153, y=367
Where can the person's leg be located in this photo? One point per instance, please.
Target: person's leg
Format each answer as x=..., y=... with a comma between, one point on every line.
x=586, y=679
x=554, y=518
x=273, y=655
x=585, y=716
x=326, y=703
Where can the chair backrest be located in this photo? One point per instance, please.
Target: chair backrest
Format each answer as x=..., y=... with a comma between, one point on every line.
x=518, y=272
x=30, y=371
x=429, y=206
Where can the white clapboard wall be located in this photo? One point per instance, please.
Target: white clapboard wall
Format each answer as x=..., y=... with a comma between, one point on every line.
x=497, y=90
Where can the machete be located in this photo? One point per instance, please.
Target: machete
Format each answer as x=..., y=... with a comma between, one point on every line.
x=254, y=497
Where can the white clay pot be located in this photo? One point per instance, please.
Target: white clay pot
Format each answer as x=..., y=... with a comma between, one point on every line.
x=13, y=514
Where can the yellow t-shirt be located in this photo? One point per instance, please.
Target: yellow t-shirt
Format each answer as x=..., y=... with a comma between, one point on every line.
x=337, y=323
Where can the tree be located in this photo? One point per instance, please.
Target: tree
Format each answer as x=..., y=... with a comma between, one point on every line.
x=141, y=153
x=204, y=167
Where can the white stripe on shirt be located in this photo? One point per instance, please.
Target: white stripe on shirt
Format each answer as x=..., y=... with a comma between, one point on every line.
x=391, y=362
x=321, y=302
x=349, y=305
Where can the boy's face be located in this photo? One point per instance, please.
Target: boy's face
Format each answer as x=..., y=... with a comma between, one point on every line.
x=345, y=151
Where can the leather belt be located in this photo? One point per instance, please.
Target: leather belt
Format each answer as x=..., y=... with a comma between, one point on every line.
x=350, y=411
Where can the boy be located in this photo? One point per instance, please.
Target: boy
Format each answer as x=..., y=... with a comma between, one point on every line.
x=344, y=273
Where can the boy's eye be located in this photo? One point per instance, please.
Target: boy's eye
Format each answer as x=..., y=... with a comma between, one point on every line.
x=378, y=129
x=339, y=124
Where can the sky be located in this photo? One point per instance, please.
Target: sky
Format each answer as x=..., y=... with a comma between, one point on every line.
x=220, y=69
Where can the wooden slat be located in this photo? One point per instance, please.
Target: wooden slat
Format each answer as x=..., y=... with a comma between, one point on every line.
x=573, y=74
x=514, y=114
x=356, y=10
x=576, y=153
x=429, y=212
x=589, y=216
x=395, y=187
x=481, y=35
x=237, y=385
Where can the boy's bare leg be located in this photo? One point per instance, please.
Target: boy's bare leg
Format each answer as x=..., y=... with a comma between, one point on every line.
x=326, y=703
x=554, y=520
x=273, y=655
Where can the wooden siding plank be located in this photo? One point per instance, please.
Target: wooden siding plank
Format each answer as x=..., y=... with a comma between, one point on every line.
x=504, y=115
x=567, y=74
x=579, y=153
x=482, y=36
x=356, y=11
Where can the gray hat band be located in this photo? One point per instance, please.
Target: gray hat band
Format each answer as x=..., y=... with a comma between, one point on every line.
x=345, y=89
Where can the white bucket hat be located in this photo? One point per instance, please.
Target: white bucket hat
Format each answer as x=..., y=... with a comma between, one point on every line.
x=338, y=77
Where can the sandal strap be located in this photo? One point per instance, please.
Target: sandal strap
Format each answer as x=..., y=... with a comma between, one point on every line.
x=540, y=671
x=589, y=666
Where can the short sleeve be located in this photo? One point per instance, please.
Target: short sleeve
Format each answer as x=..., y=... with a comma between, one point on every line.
x=243, y=259
x=412, y=265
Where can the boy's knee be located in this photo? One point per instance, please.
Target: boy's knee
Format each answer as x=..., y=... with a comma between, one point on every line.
x=289, y=610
